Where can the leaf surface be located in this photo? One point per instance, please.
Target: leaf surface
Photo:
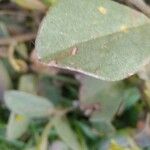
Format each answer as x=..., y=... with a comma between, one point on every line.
x=106, y=95
x=27, y=104
x=99, y=38
x=103, y=99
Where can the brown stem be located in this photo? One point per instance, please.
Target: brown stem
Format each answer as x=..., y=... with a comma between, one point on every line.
x=17, y=39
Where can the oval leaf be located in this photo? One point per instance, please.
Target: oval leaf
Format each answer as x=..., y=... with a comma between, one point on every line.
x=17, y=126
x=92, y=37
x=27, y=104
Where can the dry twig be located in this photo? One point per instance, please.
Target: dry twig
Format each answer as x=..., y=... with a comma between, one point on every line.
x=17, y=39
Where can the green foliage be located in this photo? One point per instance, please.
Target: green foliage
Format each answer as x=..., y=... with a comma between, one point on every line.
x=17, y=126
x=45, y=107
x=27, y=104
x=93, y=38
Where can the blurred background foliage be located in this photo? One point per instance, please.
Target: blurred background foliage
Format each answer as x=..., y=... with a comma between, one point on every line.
x=59, y=110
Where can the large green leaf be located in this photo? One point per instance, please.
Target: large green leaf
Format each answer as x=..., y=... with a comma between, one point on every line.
x=27, y=104
x=97, y=37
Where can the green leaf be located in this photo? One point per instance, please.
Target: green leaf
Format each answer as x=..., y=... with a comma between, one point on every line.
x=131, y=96
x=27, y=104
x=88, y=132
x=99, y=38
x=102, y=125
x=104, y=99
x=28, y=83
x=17, y=126
x=65, y=132
x=106, y=95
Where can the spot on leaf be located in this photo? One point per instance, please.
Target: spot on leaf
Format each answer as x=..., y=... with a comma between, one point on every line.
x=19, y=118
x=102, y=10
x=124, y=28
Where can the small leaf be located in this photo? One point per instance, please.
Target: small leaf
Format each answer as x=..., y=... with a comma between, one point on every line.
x=27, y=104
x=66, y=133
x=17, y=126
x=93, y=38
x=103, y=99
x=28, y=83
x=131, y=96
x=106, y=96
